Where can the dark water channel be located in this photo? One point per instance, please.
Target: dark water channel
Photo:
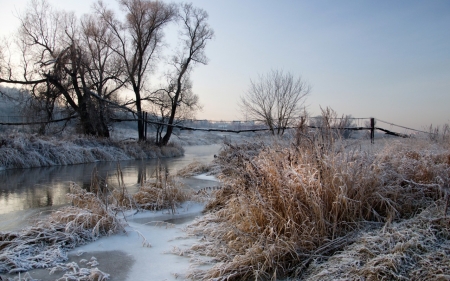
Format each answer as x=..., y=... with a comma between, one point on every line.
x=25, y=193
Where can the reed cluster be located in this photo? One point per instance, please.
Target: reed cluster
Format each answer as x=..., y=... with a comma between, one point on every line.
x=165, y=193
x=283, y=206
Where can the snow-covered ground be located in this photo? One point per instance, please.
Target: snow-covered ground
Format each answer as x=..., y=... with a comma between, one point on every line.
x=147, y=246
x=150, y=249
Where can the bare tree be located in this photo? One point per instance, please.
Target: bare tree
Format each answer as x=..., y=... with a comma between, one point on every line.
x=104, y=70
x=161, y=106
x=329, y=124
x=139, y=36
x=86, y=62
x=196, y=32
x=70, y=59
x=275, y=99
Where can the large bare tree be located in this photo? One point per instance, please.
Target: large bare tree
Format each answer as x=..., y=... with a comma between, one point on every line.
x=140, y=36
x=86, y=62
x=275, y=99
x=104, y=70
x=70, y=59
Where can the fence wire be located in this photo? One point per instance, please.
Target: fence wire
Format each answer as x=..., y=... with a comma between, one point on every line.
x=237, y=126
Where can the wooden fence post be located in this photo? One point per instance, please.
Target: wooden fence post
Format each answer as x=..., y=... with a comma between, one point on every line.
x=145, y=122
x=372, y=130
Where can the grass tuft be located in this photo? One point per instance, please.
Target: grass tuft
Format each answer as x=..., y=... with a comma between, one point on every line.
x=92, y=214
x=284, y=206
x=46, y=243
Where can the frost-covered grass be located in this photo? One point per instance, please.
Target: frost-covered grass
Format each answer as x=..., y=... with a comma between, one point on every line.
x=91, y=215
x=19, y=150
x=286, y=207
x=165, y=193
x=197, y=168
x=413, y=249
x=45, y=244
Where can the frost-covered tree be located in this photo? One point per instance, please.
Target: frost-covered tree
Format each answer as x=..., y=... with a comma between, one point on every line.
x=86, y=62
x=161, y=106
x=140, y=36
x=196, y=33
x=68, y=59
x=275, y=99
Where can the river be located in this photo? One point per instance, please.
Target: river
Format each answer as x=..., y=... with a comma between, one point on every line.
x=26, y=193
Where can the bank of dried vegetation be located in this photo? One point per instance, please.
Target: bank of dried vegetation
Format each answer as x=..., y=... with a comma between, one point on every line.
x=314, y=208
x=19, y=150
x=319, y=208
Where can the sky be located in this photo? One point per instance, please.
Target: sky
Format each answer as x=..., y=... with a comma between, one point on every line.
x=384, y=59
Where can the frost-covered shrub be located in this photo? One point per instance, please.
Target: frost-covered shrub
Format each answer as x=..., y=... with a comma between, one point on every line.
x=281, y=206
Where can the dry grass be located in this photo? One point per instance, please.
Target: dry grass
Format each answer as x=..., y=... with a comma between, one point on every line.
x=412, y=249
x=46, y=242
x=91, y=215
x=194, y=168
x=25, y=150
x=282, y=207
x=168, y=194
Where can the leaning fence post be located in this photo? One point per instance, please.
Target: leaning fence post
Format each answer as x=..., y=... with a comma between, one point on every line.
x=372, y=130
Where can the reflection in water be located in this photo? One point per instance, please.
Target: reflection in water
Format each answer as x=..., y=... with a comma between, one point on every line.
x=40, y=188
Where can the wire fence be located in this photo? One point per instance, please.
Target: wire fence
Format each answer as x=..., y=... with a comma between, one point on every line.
x=236, y=126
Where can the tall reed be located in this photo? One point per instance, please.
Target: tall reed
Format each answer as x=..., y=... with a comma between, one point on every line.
x=283, y=205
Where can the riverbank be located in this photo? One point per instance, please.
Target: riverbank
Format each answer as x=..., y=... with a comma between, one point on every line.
x=302, y=209
x=324, y=210
x=19, y=150
x=149, y=248
x=24, y=193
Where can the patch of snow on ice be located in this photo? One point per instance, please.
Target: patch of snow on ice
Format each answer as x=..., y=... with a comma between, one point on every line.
x=206, y=177
x=152, y=244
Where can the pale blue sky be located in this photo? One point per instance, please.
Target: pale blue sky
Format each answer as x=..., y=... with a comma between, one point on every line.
x=383, y=59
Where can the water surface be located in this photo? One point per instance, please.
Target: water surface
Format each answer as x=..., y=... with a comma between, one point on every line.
x=24, y=193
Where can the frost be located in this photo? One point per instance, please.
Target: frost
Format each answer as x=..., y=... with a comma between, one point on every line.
x=26, y=151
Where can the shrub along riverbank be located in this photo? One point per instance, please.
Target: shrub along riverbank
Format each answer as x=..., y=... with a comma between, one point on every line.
x=312, y=207
x=19, y=150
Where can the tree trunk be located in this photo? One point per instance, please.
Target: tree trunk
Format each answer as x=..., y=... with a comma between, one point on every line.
x=166, y=138
x=85, y=121
x=140, y=121
x=102, y=126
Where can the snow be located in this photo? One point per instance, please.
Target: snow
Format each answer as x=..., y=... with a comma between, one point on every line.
x=154, y=246
x=149, y=242
x=206, y=177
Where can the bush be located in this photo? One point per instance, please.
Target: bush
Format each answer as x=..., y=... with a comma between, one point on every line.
x=281, y=206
